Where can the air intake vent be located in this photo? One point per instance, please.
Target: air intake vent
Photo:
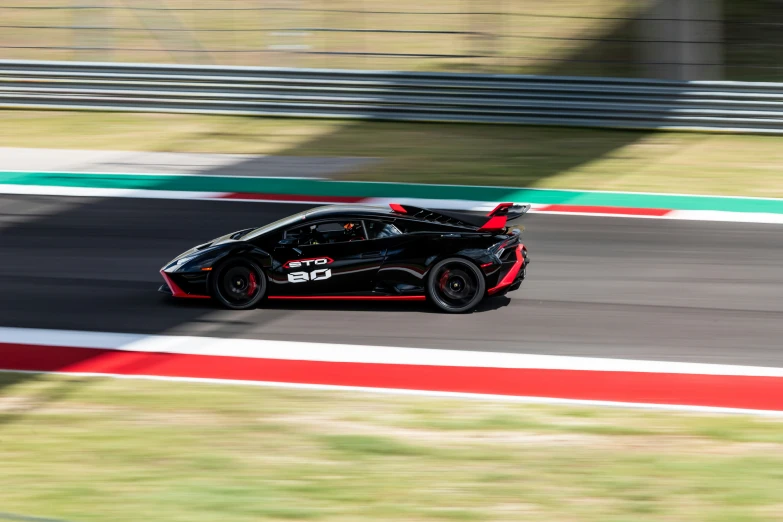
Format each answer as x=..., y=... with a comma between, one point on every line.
x=241, y=233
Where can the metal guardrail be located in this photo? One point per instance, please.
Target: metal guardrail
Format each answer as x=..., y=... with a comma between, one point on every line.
x=398, y=96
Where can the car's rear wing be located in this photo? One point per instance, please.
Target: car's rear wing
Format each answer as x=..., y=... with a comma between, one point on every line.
x=502, y=214
x=498, y=217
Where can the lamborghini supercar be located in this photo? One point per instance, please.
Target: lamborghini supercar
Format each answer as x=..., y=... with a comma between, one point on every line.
x=406, y=253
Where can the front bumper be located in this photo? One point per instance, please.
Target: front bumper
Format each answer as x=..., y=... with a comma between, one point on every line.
x=187, y=286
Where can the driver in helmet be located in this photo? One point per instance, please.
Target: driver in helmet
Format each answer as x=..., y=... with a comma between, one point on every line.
x=353, y=231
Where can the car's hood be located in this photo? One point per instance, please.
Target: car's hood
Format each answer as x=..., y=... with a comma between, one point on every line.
x=231, y=237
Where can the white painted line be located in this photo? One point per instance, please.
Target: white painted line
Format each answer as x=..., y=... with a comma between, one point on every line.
x=44, y=190
x=424, y=393
x=347, y=353
x=446, y=204
x=723, y=216
x=314, y=201
x=684, y=215
x=594, y=214
x=177, y=175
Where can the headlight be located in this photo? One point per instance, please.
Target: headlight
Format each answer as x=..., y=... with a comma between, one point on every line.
x=183, y=260
x=177, y=263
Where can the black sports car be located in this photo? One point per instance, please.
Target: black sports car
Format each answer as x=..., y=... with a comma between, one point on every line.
x=453, y=259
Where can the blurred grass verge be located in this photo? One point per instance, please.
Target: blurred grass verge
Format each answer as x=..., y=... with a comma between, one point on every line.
x=91, y=449
x=525, y=156
x=592, y=37
x=492, y=35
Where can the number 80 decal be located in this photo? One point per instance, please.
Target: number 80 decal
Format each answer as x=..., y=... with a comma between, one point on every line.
x=316, y=275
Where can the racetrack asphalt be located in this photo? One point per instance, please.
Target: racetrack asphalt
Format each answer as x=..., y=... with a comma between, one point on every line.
x=597, y=286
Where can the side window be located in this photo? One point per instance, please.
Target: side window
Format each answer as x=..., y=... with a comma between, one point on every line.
x=328, y=232
x=380, y=229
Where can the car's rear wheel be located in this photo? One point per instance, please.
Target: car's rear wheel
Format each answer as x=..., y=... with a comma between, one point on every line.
x=238, y=284
x=455, y=285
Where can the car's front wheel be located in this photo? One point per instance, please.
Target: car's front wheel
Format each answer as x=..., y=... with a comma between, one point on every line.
x=238, y=284
x=455, y=285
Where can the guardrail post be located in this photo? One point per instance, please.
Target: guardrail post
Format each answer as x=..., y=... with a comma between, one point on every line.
x=682, y=40
x=91, y=30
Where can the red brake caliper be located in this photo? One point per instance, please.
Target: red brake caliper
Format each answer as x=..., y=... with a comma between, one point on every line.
x=444, y=279
x=251, y=288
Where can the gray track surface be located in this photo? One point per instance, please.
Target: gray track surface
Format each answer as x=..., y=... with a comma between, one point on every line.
x=602, y=287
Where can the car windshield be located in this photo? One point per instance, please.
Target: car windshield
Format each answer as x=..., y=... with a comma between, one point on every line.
x=290, y=220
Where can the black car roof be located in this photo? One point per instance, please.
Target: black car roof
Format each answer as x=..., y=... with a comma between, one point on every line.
x=346, y=210
x=441, y=217
x=320, y=213
x=454, y=219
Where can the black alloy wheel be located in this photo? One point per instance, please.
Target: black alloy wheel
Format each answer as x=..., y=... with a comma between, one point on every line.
x=456, y=285
x=238, y=284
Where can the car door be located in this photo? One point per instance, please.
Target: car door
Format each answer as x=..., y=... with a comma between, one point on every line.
x=325, y=258
x=410, y=252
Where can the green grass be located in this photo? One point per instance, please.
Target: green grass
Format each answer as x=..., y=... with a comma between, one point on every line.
x=546, y=157
x=89, y=449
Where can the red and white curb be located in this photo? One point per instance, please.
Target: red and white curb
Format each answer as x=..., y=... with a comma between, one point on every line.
x=506, y=376
x=454, y=204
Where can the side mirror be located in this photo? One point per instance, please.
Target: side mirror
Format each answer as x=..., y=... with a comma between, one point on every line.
x=288, y=243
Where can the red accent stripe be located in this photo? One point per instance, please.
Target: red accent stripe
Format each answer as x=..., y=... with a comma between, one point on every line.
x=511, y=275
x=176, y=291
x=351, y=297
x=396, y=207
x=500, y=207
x=760, y=393
x=493, y=223
x=581, y=209
x=292, y=197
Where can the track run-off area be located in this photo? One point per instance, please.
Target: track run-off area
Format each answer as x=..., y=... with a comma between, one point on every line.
x=603, y=298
